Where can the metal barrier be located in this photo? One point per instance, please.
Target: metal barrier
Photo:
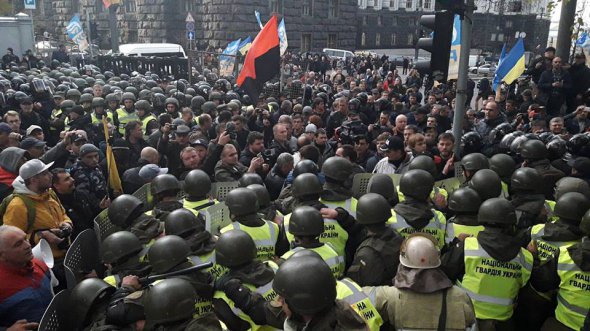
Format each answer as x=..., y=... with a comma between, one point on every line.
x=120, y=64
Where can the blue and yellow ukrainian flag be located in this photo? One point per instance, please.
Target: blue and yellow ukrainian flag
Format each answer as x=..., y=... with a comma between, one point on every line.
x=512, y=66
x=498, y=79
x=245, y=45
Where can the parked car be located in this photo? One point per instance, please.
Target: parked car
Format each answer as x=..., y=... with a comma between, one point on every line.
x=484, y=69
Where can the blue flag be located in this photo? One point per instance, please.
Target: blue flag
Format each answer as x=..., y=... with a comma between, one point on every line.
x=226, y=63
x=283, y=37
x=257, y=14
x=245, y=45
x=497, y=79
x=76, y=33
x=512, y=65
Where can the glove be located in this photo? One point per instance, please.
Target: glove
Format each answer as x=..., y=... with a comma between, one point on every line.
x=238, y=293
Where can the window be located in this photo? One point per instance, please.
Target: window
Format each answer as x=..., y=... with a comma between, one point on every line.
x=493, y=37
x=364, y=20
x=409, y=4
x=515, y=6
x=363, y=39
x=130, y=6
x=501, y=37
x=132, y=36
x=377, y=39
x=379, y=21
x=306, y=42
x=427, y=4
x=410, y=39
x=394, y=21
x=275, y=6
x=307, y=7
x=508, y=24
x=189, y=5
x=333, y=8
x=394, y=39
x=378, y=4
x=332, y=40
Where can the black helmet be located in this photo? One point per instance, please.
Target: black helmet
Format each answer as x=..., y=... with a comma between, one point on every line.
x=382, y=184
x=197, y=183
x=503, y=165
x=424, y=162
x=533, y=150
x=546, y=137
x=86, y=97
x=305, y=166
x=98, y=102
x=579, y=145
x=67, y=105
x=165, y=182
x=416, y=184
x=464, y=200
x=167, y=253
x=182, y=222
x=306, y=283
x=486, y=183
x=526, y=179
x=516, y=143
x=354, y=105
x=306, y=184
x=556, y=148
x=208, y=107
x=123, y=208
x=508, y=139
x=128, y=96
x=306, y=221
x=143, y=105
x=585, y=223
x=572, y=206
x=173, y=101
x=234, y=248
x=241, y=202
x=197, y=102
x=249, y=179
x=372, y=208
x=168, y=301
x=86, y=294
x=119, y=246
x=475, y=162
x=261, y=194
x=496, y=211
x=571, y=184
x=110, y=97
x=337, y=168
x=471, y=142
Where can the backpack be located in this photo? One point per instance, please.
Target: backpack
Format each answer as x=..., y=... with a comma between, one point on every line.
x=29, y=204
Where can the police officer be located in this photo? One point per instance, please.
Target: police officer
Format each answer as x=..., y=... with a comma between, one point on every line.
x=382, y=184
x=172, y=107
x=267, y=210
x=183, y=223
x=236, y=251
x=492, y=267
x=306, y=189
x=269, y=237
x=548, y=238
x=464, y=203
x=197, y=185
x=249, y=179
x=504, y=166
x=308, y=297
x=423, y=297
x=563, y=186
x=377, y=258
x=125, y=114
x=335, y=194
x=123, y=255
x=534, y=154
x=86, y=102
x=98, y=107
x=306, y=225
x=170, y=305
x=164, y=189
x=87, y=305
x=472, y=163
x=568, y=272
x=170, y=253
x=414, y=213
x=526, y=197
x=486, y=183
x=149, y=122
x=438, y=196
x=126, y=212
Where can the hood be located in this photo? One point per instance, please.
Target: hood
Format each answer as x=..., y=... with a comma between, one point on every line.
x=562, y=230
x=501, y=244
x=20, y=187
x=416, y=213
x=421, y=280
x=256, y=273
x=580, y=253
x=10, y=157
x=334, y=192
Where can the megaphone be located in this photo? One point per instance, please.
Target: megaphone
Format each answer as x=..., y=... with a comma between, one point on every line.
x=43, y=252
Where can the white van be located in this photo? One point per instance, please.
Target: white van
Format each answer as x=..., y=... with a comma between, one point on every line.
x=159, y=50
x=338, y=53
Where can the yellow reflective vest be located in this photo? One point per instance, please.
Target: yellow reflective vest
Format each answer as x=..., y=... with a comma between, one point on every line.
x=329, y=255
x=349, y=205
x=333, y=234
x=493, y=285
x=265, y=237
x=125, y=117
x=350, y=292
x=437, y=227
x=549, y=208
x=573, y=299
x=144, y=123
x=455, y=229
x=216, y=271
x=96, y=120
x=546, y=249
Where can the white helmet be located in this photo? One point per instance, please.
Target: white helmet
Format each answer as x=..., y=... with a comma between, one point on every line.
x=419, y=251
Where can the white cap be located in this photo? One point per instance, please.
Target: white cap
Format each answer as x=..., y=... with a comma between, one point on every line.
x=311, y=128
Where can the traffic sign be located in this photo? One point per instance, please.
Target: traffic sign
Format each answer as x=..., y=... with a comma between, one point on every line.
x=189, y=18
x=190, y=26
x=190, y=35
x=30, y=4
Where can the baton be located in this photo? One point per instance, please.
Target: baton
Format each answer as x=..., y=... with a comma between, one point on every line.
x=151, y=279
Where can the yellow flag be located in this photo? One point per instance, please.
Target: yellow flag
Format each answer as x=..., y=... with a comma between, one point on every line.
x=114, y=180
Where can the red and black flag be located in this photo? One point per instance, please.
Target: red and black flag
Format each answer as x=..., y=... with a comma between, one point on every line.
x=262, y=61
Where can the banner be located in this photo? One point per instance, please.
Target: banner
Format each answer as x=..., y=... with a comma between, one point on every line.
x=30, y=4
x=76, y=33
x=455, y=50
x=226, y=63
x=245, y=45
x=283, y=37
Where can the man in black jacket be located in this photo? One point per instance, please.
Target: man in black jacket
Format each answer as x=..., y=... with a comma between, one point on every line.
x=554, y=85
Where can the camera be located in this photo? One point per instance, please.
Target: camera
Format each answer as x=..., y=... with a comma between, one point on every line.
x=351, y=129
x=269, y=155
x=64, y=232
x=230, y=128
x=173, y=127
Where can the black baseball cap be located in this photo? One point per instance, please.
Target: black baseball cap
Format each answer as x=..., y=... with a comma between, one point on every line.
x=393, y=143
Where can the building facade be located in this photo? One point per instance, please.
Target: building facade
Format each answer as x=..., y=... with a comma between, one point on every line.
x=396, y=23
